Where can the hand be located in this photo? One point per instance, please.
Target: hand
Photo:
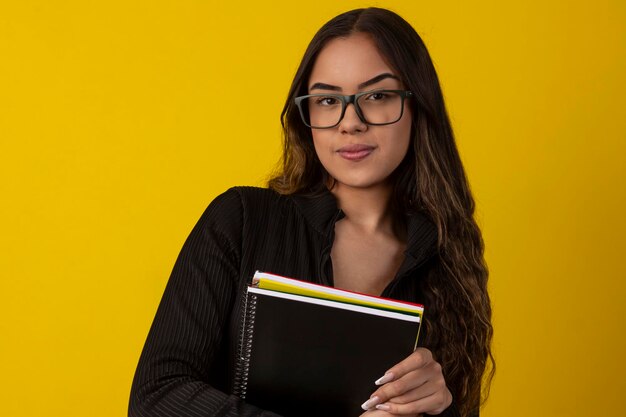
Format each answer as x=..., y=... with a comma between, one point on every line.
x=415, y=385
x=379, y=413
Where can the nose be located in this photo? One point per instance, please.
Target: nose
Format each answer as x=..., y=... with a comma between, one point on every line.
x=351, y=122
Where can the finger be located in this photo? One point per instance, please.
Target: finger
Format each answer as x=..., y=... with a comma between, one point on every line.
x=397, y=388
x=432, y=404
x=419, y=358
x=423, y=391
x=434, y=382
x=431, y=372
x=376, y=413
x=380, y=413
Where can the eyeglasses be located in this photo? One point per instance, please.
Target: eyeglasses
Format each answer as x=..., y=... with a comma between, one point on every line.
x=377, y=107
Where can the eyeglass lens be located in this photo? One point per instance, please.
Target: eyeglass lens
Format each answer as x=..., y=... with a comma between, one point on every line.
x=378, y=107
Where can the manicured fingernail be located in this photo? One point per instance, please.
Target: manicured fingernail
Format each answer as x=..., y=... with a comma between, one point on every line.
x=384, y=379
x=383, y=407
x=370, y=403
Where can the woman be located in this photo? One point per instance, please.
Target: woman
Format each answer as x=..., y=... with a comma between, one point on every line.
x=372, y=197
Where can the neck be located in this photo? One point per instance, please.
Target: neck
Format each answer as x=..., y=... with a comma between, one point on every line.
x=368, y=208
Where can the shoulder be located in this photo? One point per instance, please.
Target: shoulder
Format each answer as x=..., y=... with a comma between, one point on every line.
x=244, y=195
x=250, y=198
x=245, y=202
x=248, y=193
x=263, y=209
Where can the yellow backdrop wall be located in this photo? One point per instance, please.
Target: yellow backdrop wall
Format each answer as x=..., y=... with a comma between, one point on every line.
x=121, y=120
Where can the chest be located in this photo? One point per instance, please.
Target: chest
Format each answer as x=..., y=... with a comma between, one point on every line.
x=365, y=264
x=297, y=247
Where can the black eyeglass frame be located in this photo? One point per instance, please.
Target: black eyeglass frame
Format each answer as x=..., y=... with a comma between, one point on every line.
x=345, y=100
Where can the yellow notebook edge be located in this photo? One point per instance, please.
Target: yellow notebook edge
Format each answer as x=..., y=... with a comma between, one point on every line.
x=267, y=281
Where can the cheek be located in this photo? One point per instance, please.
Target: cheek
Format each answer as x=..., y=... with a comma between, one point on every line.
x=404, y=135
x=407, y=122
x=321, y=143
x=406, y=129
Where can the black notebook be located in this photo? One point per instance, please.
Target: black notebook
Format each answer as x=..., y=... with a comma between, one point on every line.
x=308, y=355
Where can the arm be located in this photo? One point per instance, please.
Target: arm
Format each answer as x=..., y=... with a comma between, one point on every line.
x=179, y=357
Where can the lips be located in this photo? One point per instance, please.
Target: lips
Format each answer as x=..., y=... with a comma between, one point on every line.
x=355, y=152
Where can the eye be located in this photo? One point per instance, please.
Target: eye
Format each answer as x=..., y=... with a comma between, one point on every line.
x=326, y=101
x=377, y=96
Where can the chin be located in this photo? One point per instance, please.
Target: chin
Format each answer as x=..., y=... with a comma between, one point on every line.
x=360, y=183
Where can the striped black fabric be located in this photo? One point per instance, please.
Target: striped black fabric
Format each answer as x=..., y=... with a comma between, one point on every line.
x=187, y=364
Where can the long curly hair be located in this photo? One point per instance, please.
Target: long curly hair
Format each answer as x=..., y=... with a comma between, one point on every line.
x=431, y=179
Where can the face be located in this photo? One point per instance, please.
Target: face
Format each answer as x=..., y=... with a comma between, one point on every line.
x=355, y=154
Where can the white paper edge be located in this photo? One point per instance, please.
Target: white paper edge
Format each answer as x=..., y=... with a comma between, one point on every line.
x=335, y=304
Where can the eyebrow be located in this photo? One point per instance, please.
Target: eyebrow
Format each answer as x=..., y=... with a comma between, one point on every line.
x=378, y=78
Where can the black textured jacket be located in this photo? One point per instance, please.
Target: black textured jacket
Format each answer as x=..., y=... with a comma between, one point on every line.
x=187, y=362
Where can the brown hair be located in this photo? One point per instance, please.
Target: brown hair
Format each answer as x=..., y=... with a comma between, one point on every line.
x=431, y=179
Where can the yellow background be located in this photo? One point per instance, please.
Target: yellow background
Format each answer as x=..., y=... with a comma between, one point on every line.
x=121, y=120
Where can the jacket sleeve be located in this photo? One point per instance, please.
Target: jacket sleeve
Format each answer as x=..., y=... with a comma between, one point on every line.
x=178, y=358
x=453, y=411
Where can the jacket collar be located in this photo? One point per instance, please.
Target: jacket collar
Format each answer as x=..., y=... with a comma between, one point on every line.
x=321, y=211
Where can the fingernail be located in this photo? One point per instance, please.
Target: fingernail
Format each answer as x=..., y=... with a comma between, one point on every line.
x=383, y=407
x=370, y=403
x=384, y=379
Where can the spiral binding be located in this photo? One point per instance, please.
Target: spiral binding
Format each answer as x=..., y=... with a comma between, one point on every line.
x=244, y=350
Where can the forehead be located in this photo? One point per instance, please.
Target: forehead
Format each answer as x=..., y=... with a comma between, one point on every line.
x=347, y=62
